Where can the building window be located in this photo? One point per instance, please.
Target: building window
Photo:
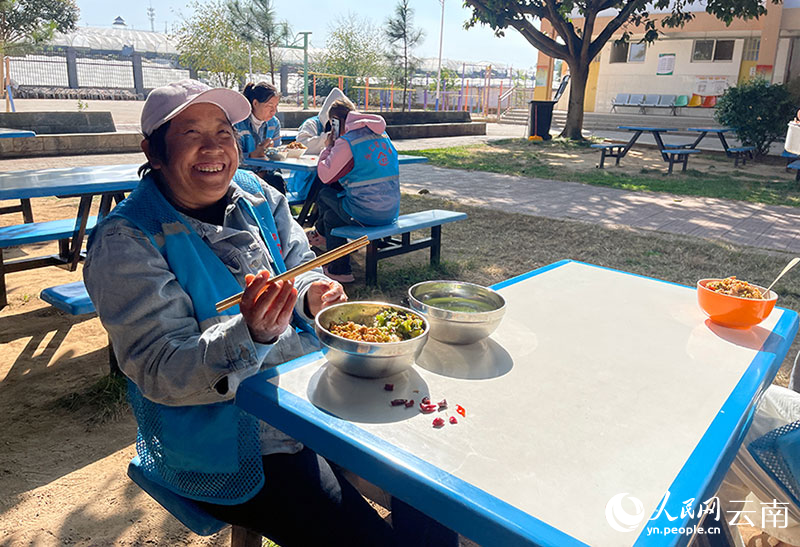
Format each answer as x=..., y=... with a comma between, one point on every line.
x=712, y=50
x=751, y=47
x=627, y=53
x=619, y=52
x=703, y=50
x=636, y=53
x=723, y=51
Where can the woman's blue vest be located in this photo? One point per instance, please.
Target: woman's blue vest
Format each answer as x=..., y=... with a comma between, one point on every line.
x=372, y=187
x=203, y=452
x=249, y=137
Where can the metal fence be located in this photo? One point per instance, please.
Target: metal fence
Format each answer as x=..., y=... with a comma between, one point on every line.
x=70, y=73
x=39, y=70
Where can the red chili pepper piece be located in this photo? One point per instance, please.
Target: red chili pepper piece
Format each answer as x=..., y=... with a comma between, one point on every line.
x=409, y=403
x=388, y=387
x=453, y=420
x=460, y=410
x=442, y=404
x=398, y=402
x=438, y=422
x=426, y=400
x=427, y=408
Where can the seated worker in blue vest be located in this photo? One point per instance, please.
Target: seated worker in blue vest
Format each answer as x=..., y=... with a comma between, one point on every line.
x=361, y=157
x=193, y=232
x=313, y=134
x=261, y=130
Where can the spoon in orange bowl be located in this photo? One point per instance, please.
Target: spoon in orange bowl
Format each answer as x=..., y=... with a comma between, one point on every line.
x=788, y=267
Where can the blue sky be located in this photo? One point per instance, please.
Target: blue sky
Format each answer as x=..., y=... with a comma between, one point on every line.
x=478, y=45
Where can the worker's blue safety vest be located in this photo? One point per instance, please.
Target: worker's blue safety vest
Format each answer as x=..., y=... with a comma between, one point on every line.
x=372, y=187
x=203, y=452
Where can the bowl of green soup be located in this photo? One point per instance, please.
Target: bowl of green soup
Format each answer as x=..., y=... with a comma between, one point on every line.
x=457, y=312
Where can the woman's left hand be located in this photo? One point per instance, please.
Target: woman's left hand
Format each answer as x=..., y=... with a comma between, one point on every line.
x=322, y=294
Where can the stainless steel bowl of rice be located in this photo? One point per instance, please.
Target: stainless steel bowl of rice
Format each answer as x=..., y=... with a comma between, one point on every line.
x=403, y=335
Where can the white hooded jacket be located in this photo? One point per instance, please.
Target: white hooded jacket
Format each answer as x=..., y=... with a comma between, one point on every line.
x=312, y=134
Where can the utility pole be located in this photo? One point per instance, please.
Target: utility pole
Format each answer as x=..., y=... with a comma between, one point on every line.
x=439, y=72
x=151, y=14
x=304, y=47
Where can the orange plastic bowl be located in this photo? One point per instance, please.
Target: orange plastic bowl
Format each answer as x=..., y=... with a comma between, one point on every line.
x=734, y=311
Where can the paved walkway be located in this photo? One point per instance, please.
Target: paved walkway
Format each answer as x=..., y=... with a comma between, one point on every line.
x=739, y=223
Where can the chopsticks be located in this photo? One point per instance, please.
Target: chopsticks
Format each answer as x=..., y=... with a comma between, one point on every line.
x=321, y=260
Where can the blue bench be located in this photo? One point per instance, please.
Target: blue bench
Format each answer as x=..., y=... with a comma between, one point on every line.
x=383, y=242
x=189, y=512
x=610, y=151
x=789, y=158
x=740, y=152
x=35, y=232
x=70, y=298
x=796, y=166
x=673, y=155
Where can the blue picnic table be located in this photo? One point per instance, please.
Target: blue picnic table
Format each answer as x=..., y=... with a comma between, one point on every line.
x=308, y=164
x=669, y=153
x=737, y=153
x=24, y=206
x=110, y=182
x=514, y=467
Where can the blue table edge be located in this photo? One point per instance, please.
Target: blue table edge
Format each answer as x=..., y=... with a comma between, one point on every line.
x=495, y=521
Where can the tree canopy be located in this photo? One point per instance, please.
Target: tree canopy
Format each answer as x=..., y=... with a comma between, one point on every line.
x=582, y=40
x=207, y=42
x=403, y=38
x=354, y=48
x=257, y=23
x=24, y=23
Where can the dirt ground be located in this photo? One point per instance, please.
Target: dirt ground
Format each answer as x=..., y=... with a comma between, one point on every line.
x=62, y=471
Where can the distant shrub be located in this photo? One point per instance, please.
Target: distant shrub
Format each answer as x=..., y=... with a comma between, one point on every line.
x=758, y=111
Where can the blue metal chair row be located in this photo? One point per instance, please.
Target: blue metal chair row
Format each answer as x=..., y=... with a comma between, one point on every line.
x=643, y=102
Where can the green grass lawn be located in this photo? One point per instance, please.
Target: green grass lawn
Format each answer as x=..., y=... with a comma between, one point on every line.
x=761, y=182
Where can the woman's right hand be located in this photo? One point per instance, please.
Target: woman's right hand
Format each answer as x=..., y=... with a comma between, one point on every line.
x=267, y=307
x=261, y=149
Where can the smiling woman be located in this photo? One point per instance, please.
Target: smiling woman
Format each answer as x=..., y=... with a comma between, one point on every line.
x=195, y=231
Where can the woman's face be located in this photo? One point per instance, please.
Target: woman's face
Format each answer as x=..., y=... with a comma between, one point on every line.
x=202, y=156
x=266, y=110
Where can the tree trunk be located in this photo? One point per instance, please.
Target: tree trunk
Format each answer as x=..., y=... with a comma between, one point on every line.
x=578, y=76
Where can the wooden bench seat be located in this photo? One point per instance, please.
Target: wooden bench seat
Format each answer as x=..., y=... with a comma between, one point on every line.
x=36, y=232
x=610, y=150
x=681, y=155
x=383, y=242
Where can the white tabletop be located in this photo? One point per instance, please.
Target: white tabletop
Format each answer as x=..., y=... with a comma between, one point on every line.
x=597, y=383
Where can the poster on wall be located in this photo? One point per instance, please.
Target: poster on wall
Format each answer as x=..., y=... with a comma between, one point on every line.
x=710, y=85
x=666, y=64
